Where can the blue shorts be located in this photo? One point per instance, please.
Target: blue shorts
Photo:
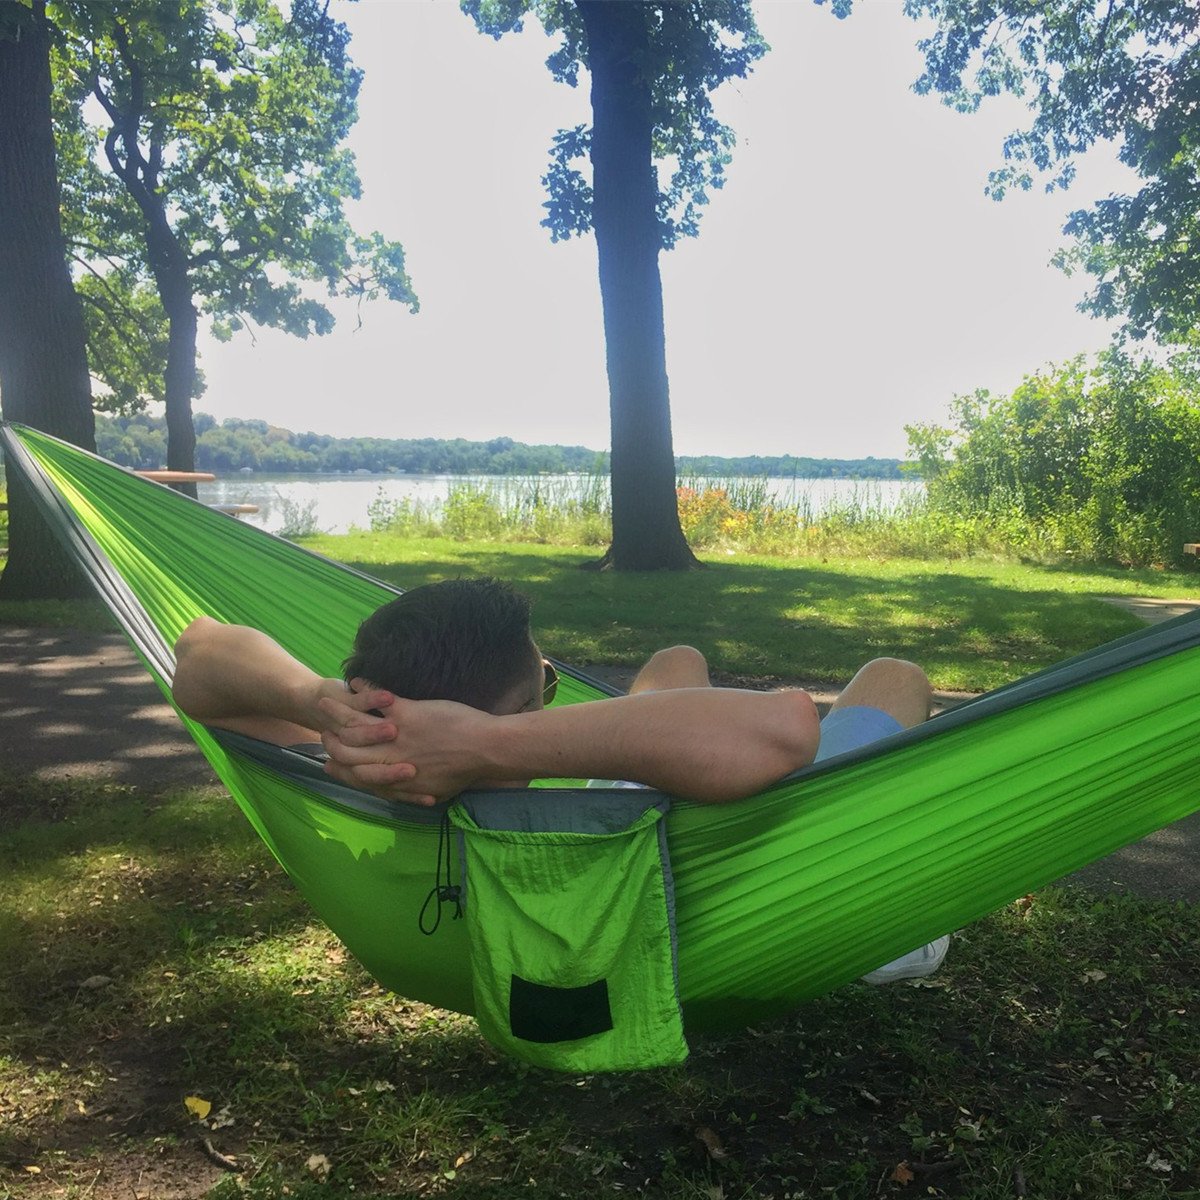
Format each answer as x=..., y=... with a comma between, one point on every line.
x=849, y=728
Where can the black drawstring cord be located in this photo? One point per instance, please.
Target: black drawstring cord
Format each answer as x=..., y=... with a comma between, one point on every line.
x=443, y=893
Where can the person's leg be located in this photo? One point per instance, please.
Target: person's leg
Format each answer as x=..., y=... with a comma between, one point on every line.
x=892, y=685
x=675, y=667
x=886, y=696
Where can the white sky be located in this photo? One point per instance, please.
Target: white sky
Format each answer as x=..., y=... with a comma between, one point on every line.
x=850, y=278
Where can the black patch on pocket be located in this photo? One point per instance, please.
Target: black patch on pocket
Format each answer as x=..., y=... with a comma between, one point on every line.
x=537, y=1013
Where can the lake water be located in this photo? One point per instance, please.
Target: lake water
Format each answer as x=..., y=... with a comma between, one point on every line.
x=342, y=501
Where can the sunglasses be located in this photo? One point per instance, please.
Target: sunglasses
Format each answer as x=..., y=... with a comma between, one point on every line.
x=549, y=685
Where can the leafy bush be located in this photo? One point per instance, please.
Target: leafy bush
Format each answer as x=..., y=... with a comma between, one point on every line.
x=1099, y=462
x=299, y=518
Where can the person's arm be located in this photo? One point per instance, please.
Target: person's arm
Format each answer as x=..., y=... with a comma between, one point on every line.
x=234, y=677
x=709, y=744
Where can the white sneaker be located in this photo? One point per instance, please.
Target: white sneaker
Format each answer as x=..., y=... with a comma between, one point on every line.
x=914, y=965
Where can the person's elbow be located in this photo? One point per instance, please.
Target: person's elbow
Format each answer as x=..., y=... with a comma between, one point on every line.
x=784, y=740
x=789, y=737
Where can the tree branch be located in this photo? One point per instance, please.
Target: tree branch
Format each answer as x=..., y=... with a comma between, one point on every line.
x=131, y=313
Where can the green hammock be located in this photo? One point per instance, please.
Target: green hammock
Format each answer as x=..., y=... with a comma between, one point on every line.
x=777, y=898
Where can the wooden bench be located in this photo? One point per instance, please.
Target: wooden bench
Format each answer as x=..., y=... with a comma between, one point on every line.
x=1191, y=548
x=235, y=510
x=177, y=476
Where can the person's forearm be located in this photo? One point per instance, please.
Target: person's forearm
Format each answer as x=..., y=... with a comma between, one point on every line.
x=226, y=672
x=708, y=744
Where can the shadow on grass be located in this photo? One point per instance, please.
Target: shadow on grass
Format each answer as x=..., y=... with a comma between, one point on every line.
x=1057, y=1037
x=969, y=630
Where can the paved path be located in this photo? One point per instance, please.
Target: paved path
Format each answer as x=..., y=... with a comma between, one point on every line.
x=75, y=704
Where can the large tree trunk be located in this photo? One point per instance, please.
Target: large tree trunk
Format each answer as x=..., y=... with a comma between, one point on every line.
x=646, y=531
x=43, y=358
x=180, y=382
x=173, y=280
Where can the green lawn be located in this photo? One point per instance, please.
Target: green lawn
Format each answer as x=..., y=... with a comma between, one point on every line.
x=972, y=623
x=154, y=952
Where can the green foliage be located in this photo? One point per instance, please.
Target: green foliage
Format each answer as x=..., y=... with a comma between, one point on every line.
x=691, y=50
x=140, y=441
x=1126, y=71
x=1101, y=461
x=225, y=176
x=299, y=518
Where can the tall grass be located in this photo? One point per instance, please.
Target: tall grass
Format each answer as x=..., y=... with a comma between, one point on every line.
x=569, y=510
x=737, y=515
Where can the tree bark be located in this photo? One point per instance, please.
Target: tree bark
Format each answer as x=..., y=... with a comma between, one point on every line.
x=43, y=358
x=646, y=531
x=180, y=377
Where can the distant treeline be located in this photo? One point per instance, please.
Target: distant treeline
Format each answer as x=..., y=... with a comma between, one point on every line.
x=232, y=445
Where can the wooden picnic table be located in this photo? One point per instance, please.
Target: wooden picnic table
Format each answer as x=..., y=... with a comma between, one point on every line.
x=177, y=476
x=234, y=510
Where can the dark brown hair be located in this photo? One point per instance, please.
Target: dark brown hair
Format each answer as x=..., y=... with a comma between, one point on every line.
x=463, y=639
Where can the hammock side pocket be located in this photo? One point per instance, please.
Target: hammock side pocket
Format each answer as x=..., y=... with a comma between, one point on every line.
x=570, y=918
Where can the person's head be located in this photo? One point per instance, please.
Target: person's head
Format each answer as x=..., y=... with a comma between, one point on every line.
x=465, y=639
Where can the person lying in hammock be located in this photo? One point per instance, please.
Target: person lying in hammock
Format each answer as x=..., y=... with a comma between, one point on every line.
x=446, y=689
x=467, y=644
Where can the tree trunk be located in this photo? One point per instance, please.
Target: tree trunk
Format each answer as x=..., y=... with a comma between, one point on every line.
x=646, y=531
x=180, y=381
x=43, y=358
x=172, y=278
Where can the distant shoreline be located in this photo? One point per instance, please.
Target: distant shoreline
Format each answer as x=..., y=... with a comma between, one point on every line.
x=235, y=445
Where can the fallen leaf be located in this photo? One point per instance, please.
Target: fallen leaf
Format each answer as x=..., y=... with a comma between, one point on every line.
x=382, y=1085
x=95, y=982
x=197, y=1106
x=81, y=1107
x=318, y=1165
x=34, y=1170
x=464, y=1158
x=221, y=1119
x=712, y=1143
x=902, y=1173
x=1156, y=1162
x=1093, y=976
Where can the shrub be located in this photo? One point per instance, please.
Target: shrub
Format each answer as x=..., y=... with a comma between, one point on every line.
x=1099, y=462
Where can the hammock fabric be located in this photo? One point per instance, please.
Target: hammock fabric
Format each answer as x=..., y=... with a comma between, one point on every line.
x=778, y=898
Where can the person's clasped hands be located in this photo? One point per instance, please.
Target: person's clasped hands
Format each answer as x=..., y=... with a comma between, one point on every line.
x=411, y=751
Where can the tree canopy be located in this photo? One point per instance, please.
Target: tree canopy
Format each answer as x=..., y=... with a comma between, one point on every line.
x=1126, y=71
x=691, y=49
x=217, y=175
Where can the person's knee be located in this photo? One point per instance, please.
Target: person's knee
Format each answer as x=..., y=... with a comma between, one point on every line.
x=897, y=686
x=685, y=659
x=897, y=672
x=674, y=667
